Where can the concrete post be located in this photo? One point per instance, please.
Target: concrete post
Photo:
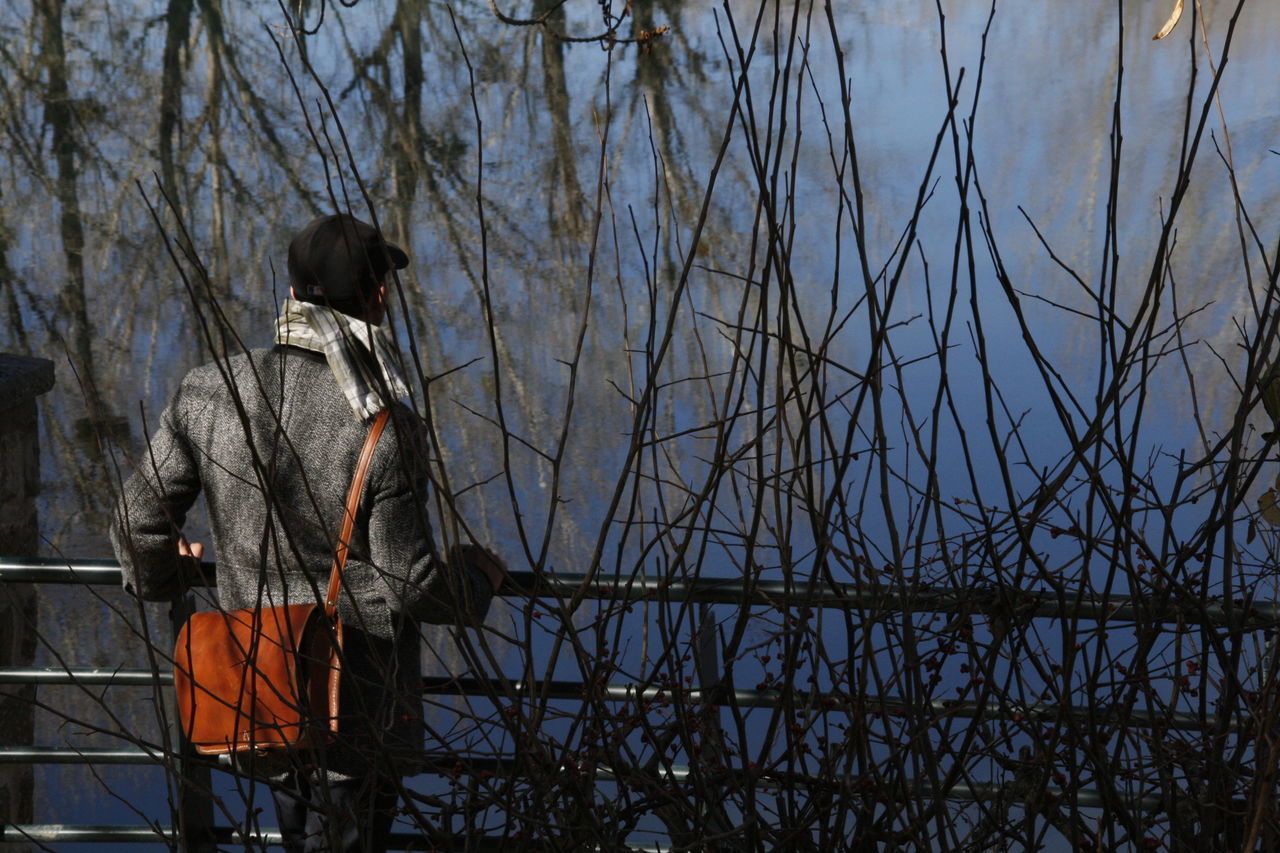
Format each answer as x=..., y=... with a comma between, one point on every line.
x=22, y=380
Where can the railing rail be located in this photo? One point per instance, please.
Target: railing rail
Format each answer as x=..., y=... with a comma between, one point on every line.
x=576, y=690
x=143, y=834
x=1172, y=605
x=765, y=780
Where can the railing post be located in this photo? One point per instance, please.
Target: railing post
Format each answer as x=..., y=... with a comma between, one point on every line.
x=710, y=677
x=22, y=380
x=195, y=803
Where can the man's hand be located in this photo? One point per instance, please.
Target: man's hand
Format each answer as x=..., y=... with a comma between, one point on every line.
x=190, y=570
x=483, y=559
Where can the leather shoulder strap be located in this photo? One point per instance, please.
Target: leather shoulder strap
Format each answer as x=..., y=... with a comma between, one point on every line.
x=352, y=507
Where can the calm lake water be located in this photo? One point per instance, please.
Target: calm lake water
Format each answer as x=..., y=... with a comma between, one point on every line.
x=603, y=206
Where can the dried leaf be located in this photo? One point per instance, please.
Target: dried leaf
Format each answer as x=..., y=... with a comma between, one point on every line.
x=1269, y=385
x=1269, y=508
x=1171, y=23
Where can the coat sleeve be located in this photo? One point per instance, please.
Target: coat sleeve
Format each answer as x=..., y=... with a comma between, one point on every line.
x=417, y=582
x=151, y=509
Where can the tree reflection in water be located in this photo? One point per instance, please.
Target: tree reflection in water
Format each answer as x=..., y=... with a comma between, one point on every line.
x=745, y=300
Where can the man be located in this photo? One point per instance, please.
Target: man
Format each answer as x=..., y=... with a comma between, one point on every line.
x=271, y=438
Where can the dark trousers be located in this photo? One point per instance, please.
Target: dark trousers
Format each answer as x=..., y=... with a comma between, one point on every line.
x=320, y=816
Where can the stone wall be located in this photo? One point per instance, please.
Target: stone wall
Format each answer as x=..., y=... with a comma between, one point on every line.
x=22, y=380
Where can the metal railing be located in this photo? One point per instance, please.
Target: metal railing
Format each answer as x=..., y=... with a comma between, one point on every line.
x=197, y=816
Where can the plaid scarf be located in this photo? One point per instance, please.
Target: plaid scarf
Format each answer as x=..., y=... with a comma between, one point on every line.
x=346, y=343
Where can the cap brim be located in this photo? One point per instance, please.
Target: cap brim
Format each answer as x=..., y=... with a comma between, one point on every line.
x=399, y=260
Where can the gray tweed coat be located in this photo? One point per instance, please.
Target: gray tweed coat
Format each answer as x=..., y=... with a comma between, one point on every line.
x=272, y=443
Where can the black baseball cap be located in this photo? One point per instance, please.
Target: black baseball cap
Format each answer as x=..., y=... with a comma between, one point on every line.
x=332, y=255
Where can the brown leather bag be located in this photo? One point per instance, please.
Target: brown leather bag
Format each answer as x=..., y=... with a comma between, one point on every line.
x=263, y=679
